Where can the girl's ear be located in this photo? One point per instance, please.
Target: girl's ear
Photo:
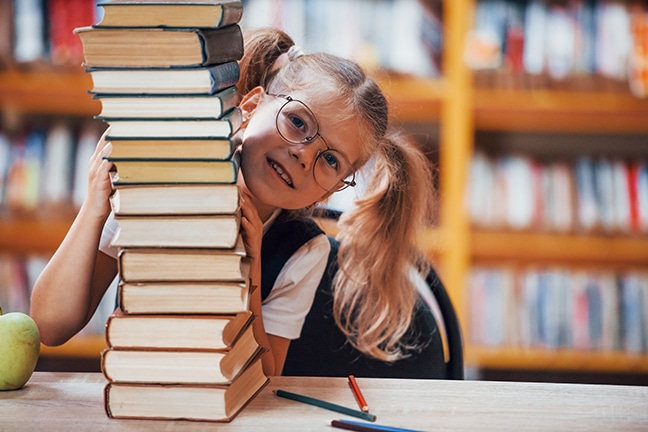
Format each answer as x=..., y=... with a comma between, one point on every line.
x=250, y=101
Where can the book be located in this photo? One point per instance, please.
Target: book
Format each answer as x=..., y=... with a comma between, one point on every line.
x=182, y=401
x=181, y=148
x=188, y=332
x=159, y=47
x=169, y=106
x=187, y=265
x=223, y=127
x=179, y=13
x=156, y=171
x=168, y=199
x=184, y=80
x=215, y=367
x=183, y=297
x=211, y=231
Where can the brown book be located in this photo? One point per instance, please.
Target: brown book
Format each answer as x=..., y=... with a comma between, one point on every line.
x=147, y=128
x=183, y=80
x=185, y=402
x=181, y=148
x=182, y=332
x=177, y=13
x=153, y=366
x=160, y=47
x=175, y=171
x=169, y=199
x=183, y=265
x=183, y=297
x=174, y=107
x=191, y=231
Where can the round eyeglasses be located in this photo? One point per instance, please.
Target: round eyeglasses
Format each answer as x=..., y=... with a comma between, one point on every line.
x=297, y=124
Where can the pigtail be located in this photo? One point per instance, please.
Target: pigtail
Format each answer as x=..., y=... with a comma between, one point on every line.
x=374, y=295
x=262, y=47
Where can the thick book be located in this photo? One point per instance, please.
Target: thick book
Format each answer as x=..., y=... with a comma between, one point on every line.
x=192, y=231
x=169, y=106
x=186, y=80
x=154, y=366
x=157, y=171
x=183, y=297
x=188, y=332
x=181, y=148
x=223, y=127
x=184, y=402
x=178, y=13
x=170, y=199
x=159, y=47
x=183, y=265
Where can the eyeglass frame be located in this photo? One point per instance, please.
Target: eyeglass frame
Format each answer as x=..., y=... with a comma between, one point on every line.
x=310, y=139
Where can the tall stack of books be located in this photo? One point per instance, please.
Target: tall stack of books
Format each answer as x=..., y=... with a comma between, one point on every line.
x=180, y=345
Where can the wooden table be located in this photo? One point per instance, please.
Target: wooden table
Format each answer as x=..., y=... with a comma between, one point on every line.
x=73, y=402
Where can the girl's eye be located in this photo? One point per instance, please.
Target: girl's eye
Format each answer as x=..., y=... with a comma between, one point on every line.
x=297, y=122
x=330, y=159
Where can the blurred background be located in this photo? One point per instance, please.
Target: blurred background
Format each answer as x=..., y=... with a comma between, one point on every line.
x=533, y=112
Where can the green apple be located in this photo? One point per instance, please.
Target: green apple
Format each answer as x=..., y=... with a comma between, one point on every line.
x=19, y=349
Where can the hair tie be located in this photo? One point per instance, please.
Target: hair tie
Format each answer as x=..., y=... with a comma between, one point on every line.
x=293, y=53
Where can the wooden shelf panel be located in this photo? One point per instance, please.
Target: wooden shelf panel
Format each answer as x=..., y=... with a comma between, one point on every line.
x=33, y=235
x=548, y=359
x=560, y=111
x=54, y=92
x=80, y=346
x=566, y=249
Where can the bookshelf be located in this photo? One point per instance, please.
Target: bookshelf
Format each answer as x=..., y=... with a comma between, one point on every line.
x=461, y=109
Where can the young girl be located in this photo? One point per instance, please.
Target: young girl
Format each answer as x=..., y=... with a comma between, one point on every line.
x=310, y=123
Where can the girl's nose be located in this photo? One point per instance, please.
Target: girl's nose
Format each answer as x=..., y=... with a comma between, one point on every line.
x=305, y=154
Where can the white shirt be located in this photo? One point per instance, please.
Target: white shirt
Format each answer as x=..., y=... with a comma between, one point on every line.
x=285, y=309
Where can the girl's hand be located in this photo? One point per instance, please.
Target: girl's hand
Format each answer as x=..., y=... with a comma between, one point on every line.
x=252, y=226
x=99, y=184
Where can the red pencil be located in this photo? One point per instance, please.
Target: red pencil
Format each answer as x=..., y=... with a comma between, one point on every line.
x=358, y=394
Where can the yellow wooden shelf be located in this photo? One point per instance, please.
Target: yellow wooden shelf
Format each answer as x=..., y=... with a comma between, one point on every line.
x=34, y=232
x=555, y=359
x=80, y=346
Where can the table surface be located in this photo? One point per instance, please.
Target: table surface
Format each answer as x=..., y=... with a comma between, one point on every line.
x=53, y=401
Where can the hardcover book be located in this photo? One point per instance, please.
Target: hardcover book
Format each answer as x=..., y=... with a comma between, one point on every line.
x=183, y=297
x=160, y=47
x=169, y=148
x=156, y=171
x=223, y=127
x=169, y=106
x=169, y=199
x=210, y=231
x=183, y=265
x=184, y=401
x=179, y=13
x=176, y=80
x=188, y=332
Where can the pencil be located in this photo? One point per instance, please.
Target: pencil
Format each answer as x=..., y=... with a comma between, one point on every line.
x=366, y=427
x=358, y=394
x=326, y=405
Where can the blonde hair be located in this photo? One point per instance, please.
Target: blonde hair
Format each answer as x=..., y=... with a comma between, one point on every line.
x=374, y=297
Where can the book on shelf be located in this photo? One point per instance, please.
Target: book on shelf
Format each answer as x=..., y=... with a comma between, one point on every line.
x=156, y=171
x=183, y=265
x=179, y=13
x=209, y=106
x=181, y=148
x=220, y=297
x=179, y=199
x=176, y=80
x=220, y=403
x=160, y=47
x=181, y=366
x=188, y=332
x=191, y=231
x=223, y=127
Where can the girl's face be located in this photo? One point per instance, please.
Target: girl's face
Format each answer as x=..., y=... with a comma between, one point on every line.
x=280, y=174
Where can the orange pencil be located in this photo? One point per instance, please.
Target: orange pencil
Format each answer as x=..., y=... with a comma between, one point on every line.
x=358, y=394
